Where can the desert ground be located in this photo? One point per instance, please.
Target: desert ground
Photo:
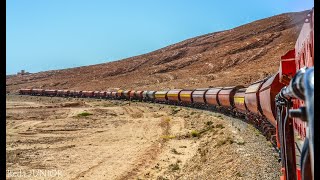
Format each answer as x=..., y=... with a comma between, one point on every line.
x=103, y=139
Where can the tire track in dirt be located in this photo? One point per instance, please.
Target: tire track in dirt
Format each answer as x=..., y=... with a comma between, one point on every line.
x=149, y=157
x=83, y=173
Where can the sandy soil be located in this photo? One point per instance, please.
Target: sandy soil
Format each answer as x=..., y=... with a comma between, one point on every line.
x=118, y=140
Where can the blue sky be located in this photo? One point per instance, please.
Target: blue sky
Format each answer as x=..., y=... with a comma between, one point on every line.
x=57, y=34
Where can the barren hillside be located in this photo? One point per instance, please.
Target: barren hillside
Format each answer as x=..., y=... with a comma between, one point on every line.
x=236, y=56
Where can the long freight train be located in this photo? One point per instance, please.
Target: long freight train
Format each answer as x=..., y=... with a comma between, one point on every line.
x=281, y=106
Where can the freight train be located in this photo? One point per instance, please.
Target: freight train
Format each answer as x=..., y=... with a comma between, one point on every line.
x=281, y=105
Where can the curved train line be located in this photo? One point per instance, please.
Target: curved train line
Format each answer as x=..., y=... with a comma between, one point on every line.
x=275, y=105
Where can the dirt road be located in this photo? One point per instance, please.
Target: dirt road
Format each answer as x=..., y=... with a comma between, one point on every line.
x=101, y=139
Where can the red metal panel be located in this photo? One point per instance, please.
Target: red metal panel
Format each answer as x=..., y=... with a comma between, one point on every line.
x=267, y=95
x=186, y=96
x=287, y=67
x=198, y=96
x=252, y=97
x=173, y=95
x=226, y=94
x=304, y=56
x=304, y=47
x=239, y=100
x=211, y=96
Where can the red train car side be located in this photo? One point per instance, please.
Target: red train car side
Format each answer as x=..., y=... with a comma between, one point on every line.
x=185, y=96
x=225, y=96
x=211, y=96
x=239, y=100
x=198, y=96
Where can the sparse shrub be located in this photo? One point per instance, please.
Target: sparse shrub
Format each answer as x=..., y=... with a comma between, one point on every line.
x=220, y=143
x=241, y=143
x=195, y=133
x=84, y=114
x=166, y=137
x=224, y=141
x=165, y=122
x=162, y=178
x=239, y=174
x=186, y=116
x=174, y=167
x=107, y=105
x=137, y=115
x=174, y=151
x=219, y=126
x=192, y=113
x=175, y=111
x=209, y=123
x=219, y=116
x=167, y=119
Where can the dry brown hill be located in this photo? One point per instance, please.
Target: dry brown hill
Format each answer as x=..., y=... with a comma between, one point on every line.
x=237, y=56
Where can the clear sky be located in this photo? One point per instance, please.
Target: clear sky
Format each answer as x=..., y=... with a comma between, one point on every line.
x=57, y=34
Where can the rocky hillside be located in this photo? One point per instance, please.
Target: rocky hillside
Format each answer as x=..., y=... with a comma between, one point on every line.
x=237, y=56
